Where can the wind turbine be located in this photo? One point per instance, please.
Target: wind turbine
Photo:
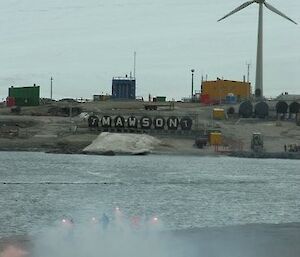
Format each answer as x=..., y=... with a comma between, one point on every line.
x=259, y=56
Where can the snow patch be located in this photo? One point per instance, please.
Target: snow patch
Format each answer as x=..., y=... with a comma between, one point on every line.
x=122, y=143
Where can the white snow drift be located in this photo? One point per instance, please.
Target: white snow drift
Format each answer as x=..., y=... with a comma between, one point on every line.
x=122, y=143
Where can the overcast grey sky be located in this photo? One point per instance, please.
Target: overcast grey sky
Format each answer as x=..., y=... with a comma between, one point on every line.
x=84, y=43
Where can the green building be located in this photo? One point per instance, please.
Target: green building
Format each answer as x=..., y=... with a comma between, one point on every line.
x=25, y=96
x=160, y=99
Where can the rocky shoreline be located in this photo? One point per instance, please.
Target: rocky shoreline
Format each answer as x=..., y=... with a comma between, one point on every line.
x=266, y=155
x=73, y=149
x=51, y=134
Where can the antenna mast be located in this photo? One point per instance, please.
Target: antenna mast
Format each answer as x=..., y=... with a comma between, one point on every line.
x=248, y=71
x=134, y=63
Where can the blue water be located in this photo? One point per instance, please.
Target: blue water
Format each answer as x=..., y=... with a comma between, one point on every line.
x=37, y=189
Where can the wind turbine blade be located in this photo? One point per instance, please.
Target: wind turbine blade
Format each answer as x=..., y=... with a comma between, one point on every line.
x=244, y=5
x=273, y=9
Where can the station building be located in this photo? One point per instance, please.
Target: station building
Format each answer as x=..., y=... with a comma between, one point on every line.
x=24, y=96
x=219, y=90
x=123, y=88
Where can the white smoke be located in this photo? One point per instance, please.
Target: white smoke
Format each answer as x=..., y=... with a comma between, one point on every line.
x=13, y=251
x=134, y=237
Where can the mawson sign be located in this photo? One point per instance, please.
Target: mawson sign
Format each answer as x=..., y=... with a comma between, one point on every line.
x=144, y=122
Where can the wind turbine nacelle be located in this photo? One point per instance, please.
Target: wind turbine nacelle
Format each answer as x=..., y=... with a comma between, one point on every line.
x=258, y=92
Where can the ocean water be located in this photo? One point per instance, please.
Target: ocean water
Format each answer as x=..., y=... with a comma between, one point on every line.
x=37, y=189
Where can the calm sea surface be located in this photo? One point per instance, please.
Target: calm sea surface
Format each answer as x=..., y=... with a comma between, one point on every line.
x=37, y=189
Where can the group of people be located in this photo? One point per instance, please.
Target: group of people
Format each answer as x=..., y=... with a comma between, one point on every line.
x=134, y=222
x=104, y=220
x=291, y=148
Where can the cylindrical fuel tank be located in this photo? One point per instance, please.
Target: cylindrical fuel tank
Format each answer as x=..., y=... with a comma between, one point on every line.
x=246, y=109
x=282, y=107
x=294, y=107
x=261, y=110
x=231, y=110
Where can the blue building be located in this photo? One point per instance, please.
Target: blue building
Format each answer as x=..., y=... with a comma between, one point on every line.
x=123, y=88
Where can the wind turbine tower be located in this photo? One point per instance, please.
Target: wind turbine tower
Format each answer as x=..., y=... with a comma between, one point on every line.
x=259, y=56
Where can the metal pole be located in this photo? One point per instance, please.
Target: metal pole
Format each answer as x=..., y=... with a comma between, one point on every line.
x=134, y=64
x=248, y=71
x=220, y=96
x=51, y=87
x=259, y=57
x=192, y=96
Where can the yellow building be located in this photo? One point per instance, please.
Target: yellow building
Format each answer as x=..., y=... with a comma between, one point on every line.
x=219, y=89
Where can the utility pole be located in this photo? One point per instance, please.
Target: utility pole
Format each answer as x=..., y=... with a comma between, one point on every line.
x=248, y=71
x=192, y=96
x=51, y=84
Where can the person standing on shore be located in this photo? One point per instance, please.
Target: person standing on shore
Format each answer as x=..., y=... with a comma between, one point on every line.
x=104, y=221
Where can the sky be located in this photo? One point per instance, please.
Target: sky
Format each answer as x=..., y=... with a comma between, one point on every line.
x=82, y=44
